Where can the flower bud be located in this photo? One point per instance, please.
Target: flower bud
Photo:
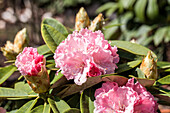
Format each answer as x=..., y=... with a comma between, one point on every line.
x=149, y=67
x=82, y=19
x=8, y=51
x=32, y=66
x=39, y=83
x=21, y=40
x=97, y=23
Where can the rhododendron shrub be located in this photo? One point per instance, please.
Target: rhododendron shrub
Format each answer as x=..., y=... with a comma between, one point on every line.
x=85, y=54
x=131, y=98
x=32, y=66
x=83, y=60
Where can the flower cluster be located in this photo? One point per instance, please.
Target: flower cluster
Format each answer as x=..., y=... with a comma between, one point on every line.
x=29, y=62
x=132, y=98
x=85, y=54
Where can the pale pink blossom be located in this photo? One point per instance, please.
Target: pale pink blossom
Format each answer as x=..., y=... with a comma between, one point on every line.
x=131, y=98
x=85, y=54
x=29, y=62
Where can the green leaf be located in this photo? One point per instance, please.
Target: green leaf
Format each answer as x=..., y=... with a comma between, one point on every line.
x=43, y=49
x=132, y=47
x=51, y=36
x=126, y=55
x=127, y=66
x=105, y=7
x=168, y=94
x=112, y=32
x=140, y=73
x=24, y=87
x=163, y=65
x=56, y=25
x=152, y=9
x=53, y=106
x=61, y=105
x=46, y=108
x=110, y=11
x=74, y=101
x=127, y=3
x=26, y=108
x=57, y=77
x=14, y=93
x=165, y=80
x=159, y=35
x=140, y=9
x=72, y=110
x=87, y=101
x=38, y=109
x=6, y=72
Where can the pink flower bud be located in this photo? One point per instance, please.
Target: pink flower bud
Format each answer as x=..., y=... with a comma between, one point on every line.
x=29, y=62
x=32, y=66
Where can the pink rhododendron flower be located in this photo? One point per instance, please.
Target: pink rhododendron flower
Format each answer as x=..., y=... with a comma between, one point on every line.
x=132, y=98
x=29, y=62
x=85, y=54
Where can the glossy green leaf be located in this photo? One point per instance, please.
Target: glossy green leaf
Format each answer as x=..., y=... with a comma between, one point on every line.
x=132, y=47
x=9, y=92
x=26, y=108
x=140, y=9
x=57, y=77
x=56, y=25
x=46, y=108
x=53, y=105
x=159, y=35
x=165, y=80
x=38, y=109
x=126, y=55
x=166, y=94
x=61, y=105
x=51, y=36
x=127, y=66
x=14, y=93
x=6, y=72
x=72, y=110
x=43, y=49
x=163, y=65
x=24, y=87
x=152, y=9
x=87, y=101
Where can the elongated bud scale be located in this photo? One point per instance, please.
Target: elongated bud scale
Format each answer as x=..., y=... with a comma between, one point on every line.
x=97, y=23
x=8, y=51
x=82, y=19
x=21, y=40
x=149, y=67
